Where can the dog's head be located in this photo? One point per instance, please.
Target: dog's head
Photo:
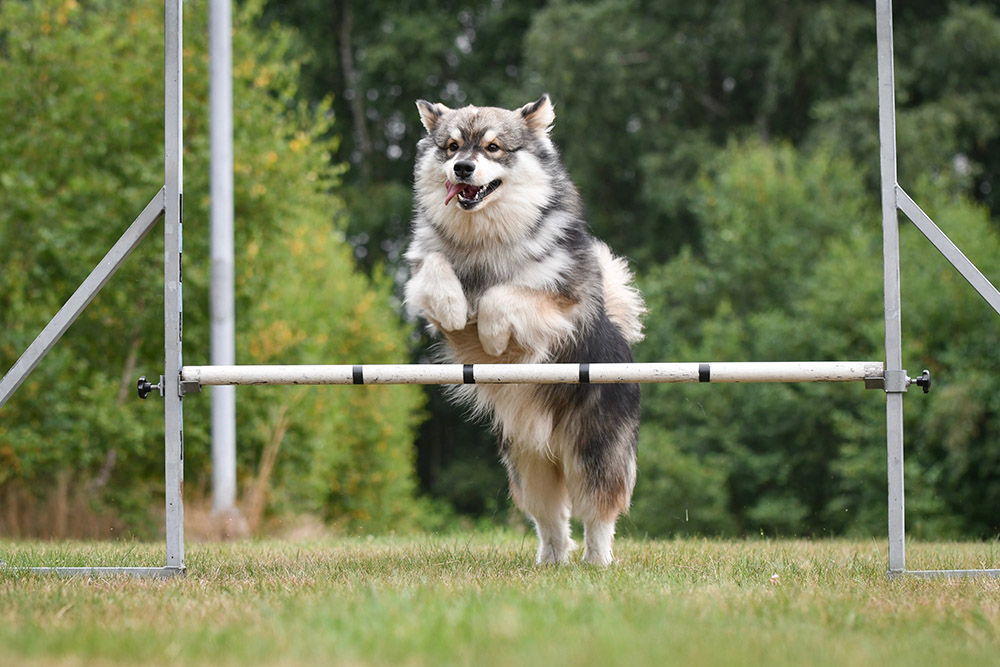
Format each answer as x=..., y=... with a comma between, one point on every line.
x=485, y=162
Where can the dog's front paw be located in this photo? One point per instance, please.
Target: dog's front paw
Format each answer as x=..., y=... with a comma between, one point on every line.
x=448, y=312
x=494, y=329
x=436, y=293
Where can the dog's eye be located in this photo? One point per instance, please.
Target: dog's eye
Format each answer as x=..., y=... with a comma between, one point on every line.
x=452, y=147
x=492, y=148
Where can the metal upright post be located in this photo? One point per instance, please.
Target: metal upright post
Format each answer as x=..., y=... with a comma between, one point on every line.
x=895, y=377
x=221, y=289
x=172, y=286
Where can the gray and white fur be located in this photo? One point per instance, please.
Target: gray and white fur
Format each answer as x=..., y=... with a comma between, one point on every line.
x=509, y=273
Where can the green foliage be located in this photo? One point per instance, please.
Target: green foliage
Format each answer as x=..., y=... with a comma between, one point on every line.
x=766, y=215
x=349, y=452
x=678, y=492
x=791, y=270
x=728, y=148
x=946, y=75
x=652, y=101
x=81, y=154
x=654, y=89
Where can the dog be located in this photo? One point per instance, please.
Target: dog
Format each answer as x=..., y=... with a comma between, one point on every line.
x=503, y=265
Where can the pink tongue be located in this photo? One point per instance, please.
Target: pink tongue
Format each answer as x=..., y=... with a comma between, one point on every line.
x=453, y=190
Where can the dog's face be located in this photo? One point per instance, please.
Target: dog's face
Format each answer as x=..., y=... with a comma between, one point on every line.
x=486, y=164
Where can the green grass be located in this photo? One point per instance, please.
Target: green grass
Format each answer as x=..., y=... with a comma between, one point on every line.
x=478, y=600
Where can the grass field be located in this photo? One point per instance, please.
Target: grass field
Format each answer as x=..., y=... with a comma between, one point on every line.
x=477, y=600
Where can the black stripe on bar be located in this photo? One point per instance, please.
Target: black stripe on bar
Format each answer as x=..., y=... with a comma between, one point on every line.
x=704, y=373
x=468, y=377
x=584, y=373
x=359, y=375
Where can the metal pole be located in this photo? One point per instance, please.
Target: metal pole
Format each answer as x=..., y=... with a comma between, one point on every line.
x=895, y=377
x=172, y=284
x=222, y=301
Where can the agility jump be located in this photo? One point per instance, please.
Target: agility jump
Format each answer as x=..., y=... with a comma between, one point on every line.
x=179, y=380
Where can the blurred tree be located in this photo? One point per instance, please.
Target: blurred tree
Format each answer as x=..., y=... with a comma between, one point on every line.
x=766, y=215
x=648, y=94
x=791, y=269
x=79, y=157
x=947, y=72
x=673, y=82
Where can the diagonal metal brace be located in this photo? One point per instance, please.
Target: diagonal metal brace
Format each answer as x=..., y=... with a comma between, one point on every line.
x=82, y=297
x=946, y=247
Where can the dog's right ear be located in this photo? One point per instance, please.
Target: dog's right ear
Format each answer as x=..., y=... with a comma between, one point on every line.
x=539, y=115
x=430, y=113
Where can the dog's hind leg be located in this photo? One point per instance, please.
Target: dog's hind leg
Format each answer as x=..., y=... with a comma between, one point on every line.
x=539, y=489
x=598, y=509
x=600, y=476
x=598, y=541
x=598, y=514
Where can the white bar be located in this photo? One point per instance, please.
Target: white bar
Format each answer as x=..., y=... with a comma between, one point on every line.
x=724, y=372
x=796, y=371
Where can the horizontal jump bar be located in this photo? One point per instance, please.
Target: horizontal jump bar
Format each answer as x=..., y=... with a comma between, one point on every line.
x=765, y=371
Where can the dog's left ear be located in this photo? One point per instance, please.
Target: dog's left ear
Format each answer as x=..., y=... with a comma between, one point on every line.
x=539, y=115
x=431, y=113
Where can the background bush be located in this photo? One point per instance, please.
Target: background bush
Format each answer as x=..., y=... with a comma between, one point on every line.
x=81, y=155
x=728, y=148
x=791, y=270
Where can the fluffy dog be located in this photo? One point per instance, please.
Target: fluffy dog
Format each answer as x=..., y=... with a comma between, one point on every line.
x=503, y=265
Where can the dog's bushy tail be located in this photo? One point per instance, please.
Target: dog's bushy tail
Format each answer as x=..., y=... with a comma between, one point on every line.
x=622, y=300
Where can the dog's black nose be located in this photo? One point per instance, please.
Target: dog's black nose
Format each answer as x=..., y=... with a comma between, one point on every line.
x=464, y=168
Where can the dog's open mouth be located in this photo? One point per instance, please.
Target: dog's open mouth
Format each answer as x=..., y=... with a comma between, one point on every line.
x=470, y=195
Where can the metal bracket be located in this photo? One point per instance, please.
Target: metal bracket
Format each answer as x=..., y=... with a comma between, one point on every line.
x=875, y=382
x=144, y=387
x=898, y=381
x=190, y=387
x=889, y=381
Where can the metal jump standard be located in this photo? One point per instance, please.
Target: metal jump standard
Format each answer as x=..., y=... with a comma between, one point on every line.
x=178, y=379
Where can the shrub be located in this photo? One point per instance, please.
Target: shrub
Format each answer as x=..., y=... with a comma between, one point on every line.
x=79, y=156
